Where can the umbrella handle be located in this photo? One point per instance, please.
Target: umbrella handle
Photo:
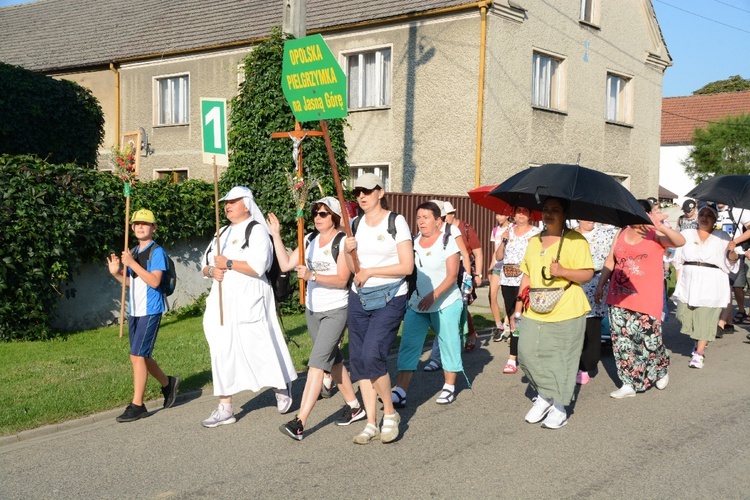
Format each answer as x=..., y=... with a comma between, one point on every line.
x=544, y=274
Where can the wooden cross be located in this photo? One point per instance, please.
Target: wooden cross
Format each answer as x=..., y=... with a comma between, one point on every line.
x=297, y=136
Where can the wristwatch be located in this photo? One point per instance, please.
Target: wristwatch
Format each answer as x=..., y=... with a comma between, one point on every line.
x=314, y=276
x=229, y=265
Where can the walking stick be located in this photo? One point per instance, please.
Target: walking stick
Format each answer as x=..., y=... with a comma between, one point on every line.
x=218, y=235
x=339, y=189
x=126, y=191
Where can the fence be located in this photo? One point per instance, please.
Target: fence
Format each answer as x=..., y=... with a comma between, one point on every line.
x=482, y=219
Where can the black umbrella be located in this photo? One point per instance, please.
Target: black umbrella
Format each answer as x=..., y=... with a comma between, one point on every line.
x=732, y=190
x=593, y=195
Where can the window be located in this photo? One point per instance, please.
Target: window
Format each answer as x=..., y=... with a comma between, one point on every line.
x=590, y=11
x=174, y=176
x=547, y=89
x=173, y=100
x=379, y=170
x=369, y=77
x=619, y=99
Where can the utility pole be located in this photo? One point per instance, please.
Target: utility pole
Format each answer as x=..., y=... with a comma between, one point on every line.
x=295, y=18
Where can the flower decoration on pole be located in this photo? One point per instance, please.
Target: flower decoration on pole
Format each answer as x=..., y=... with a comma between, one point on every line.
x=123, y=161
x=300, y=189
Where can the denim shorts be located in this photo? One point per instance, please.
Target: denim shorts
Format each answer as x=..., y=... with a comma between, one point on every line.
x=142, y=332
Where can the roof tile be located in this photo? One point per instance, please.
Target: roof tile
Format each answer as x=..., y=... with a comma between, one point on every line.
x=680, y=116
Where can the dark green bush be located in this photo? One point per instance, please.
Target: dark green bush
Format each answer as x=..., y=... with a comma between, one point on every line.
x=54, y=119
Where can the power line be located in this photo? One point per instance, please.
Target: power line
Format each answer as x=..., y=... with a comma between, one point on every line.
x=704, y=17
x=710, y=122
x=732, y=6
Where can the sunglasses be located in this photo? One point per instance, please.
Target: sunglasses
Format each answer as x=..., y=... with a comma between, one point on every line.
x=322, y=215
x=366, y=192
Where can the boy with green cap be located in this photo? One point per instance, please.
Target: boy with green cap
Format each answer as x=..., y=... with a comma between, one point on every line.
x=143, y=270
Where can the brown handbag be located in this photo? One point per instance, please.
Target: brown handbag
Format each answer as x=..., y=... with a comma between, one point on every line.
x=512, y=270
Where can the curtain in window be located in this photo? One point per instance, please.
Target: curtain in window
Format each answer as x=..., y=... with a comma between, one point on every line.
x=542, y=81
x=354, y=82
x=614, y=85
x=370, y=90
x=385, y=78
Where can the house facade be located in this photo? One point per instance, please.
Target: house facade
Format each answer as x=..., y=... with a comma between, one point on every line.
x=443, y=95
x=681, y=116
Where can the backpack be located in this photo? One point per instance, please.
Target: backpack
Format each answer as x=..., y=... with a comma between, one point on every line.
x=168, y=277
x=278, y=280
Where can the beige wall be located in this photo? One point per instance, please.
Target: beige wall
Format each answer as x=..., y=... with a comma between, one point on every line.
x=517, y=135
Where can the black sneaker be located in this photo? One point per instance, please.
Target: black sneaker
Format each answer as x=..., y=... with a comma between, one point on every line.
x=133, y=412
x=719, y=332
x=293, y=429
x=497, y=334
x=170, y=391
x=350, y=415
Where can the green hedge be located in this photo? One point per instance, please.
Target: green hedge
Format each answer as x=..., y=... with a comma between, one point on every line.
x=54, y=119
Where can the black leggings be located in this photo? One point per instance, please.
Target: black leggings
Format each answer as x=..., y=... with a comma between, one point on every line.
x=592, y=345
x=509, y=298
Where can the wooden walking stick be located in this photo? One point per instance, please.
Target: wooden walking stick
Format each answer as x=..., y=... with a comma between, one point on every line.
x=126, y=191
x=218, y=235
x=339, y=189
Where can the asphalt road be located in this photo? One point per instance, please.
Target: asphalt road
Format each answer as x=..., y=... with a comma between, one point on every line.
x=690, y=440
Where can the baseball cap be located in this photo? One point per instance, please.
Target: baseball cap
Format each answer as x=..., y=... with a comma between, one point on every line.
x=368, y=181
x=330, y=202
x=449, y=208
x=143, y=215
x=653, y=201
x=440, y=205
x=236, y=193
x=688, y=205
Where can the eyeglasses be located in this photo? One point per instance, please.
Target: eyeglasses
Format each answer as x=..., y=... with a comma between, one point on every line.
x=322, y=215
x=366, y=192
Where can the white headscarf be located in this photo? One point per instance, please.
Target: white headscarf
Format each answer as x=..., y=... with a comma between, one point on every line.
x=249, y=201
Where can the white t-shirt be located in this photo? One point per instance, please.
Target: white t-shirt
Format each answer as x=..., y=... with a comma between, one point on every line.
x=431, y=272
x=321, y=298
x=377, y=248
x=496, y=237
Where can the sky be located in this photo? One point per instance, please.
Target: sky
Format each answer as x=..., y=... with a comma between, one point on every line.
x=708, y=40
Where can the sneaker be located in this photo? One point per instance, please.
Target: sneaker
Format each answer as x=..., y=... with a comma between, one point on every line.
x=555, y=418
x=293, y=429
x=696, y=361
x=350, y=415
x=220, y=416
x=327, y=392
x=133, y=412
x=389, y=428
x=719, y=332
x=538, y=411
x=498, y=334
x=661, y=384
x=729, y=329
x=170, y=391
x=284, y=398
x=369, y=433
x=583, y=377
x=626, y=391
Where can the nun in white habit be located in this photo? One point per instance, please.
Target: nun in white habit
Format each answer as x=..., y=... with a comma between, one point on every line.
x=248, y=352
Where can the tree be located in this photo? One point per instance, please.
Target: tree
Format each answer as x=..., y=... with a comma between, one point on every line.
x=259, y=162
x=732, y=84
x=721, y=148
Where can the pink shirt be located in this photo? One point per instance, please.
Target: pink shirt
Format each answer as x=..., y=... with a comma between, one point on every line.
x=638, y=279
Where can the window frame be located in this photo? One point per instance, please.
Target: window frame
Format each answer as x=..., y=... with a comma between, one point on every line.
x=165, y=172
x=157, y=100
x=623, y=103
x=556, y=90
x=384, y=82
x=590, y=12
x=377, y=168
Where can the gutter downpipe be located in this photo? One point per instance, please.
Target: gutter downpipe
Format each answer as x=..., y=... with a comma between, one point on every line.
x=117, y=103
x=480, y=103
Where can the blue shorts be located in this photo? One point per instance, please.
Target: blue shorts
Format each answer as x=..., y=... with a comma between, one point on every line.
x=371, y=336
x=142, y=332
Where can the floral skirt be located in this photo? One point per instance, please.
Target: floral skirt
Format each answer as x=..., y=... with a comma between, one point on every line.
x=637, y=344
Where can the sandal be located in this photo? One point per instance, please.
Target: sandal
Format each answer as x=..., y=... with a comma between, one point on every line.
x=368, y=434
x=432, y=366
x=389, y=428
x=510, y=368
x=471, y=343
x=446, y=397
x=398, y=400
x=741, y=317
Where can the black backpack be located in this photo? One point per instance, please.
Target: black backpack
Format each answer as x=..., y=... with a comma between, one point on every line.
x=168, y=277
x=278, y=280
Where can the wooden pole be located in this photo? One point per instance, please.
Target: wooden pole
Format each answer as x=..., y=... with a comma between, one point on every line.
x=300, y=226
x=339, y=189
x=218, y=235
x=127, y=234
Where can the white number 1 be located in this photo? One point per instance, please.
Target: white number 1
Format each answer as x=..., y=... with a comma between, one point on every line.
x=215, y=116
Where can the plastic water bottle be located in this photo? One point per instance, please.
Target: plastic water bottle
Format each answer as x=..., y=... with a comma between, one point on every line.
x=517, y=318
x=466, y=287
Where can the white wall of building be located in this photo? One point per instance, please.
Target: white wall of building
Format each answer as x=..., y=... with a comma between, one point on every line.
x=671, y=172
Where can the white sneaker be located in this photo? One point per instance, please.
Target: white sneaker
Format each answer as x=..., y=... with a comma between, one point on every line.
x=539, y=410
x=626, y=391
x=696, y=361
x=220, y=416
x=556, y=418
x=661, y=384
x=284, y=398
